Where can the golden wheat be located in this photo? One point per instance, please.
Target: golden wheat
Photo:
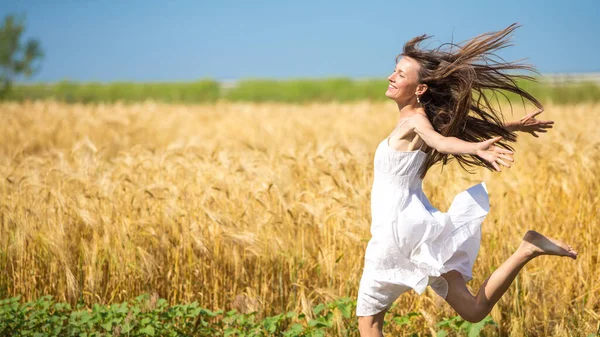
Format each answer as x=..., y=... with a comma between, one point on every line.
x=267, y=207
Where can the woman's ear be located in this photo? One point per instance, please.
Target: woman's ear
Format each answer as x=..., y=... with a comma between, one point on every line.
x=421, y=89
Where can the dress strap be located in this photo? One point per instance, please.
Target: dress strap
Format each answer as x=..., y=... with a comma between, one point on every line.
x=387, y=139
x=404, y=121
x=421, y=147
x=398, y=127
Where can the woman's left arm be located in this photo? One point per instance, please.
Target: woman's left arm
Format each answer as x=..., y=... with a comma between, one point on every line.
x=530, y=124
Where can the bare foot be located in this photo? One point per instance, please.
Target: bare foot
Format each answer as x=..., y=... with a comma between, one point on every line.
x=537, y=245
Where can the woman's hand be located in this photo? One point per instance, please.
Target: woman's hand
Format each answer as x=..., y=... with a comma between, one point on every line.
x=532, y=125
x=493, y=154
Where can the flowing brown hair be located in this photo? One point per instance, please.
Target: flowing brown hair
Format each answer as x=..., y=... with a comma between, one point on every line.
x=464, y=80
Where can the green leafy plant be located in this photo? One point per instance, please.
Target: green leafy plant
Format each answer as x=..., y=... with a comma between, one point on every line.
x=150, y=316
x=289, y=91
x=457, y=324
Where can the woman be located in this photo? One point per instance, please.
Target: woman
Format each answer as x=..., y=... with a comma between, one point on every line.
x=444, y=98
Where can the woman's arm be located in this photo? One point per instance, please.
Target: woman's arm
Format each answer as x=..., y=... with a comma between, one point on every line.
x=451, y=145
x=530, y=124
x=512, y=126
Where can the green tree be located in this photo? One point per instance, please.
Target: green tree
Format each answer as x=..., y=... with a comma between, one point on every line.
x=16, y=58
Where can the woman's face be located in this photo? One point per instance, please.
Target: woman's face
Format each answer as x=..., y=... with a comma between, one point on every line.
x=403, y=81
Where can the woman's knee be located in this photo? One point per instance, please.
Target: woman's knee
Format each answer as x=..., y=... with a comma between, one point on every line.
x=476, y=313
x=370, y=322
x=470, y=308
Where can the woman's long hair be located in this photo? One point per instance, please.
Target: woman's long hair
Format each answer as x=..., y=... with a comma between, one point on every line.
x=463, y=83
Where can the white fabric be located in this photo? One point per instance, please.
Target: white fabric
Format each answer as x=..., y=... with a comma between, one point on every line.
x=413, y=243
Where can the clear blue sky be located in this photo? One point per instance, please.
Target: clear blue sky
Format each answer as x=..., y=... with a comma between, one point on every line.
x=180, y=40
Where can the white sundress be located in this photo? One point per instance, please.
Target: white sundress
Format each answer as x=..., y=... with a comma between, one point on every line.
x=413, y=243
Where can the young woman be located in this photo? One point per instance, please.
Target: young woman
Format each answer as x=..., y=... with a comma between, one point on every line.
x=444, y=97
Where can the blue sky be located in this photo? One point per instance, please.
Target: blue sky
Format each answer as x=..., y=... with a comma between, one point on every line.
x=177, y=40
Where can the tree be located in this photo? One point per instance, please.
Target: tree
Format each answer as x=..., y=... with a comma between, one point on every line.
x=16, y=58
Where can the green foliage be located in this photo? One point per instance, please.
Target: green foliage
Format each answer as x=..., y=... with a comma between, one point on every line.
x=200, y=91
x=291, y=91
x=457, y=324
x=16, y=57
x=145, y=316
x=567, y=93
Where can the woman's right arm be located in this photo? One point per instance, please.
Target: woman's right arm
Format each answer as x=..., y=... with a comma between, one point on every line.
x=451, y=145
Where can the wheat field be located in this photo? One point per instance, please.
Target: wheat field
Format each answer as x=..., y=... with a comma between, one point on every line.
x=266, y=207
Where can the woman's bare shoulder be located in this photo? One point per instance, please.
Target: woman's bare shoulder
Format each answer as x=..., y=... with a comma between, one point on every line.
x=418, y=119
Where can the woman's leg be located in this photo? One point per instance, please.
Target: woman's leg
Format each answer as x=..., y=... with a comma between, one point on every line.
x=475, y=308
x=371, y=326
